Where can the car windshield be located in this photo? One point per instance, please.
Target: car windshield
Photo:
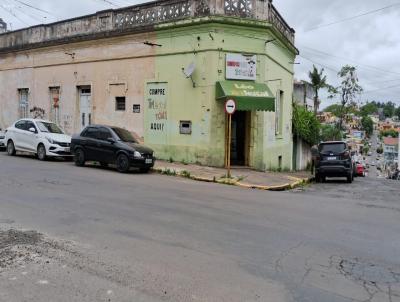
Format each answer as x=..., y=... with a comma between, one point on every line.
x=49, y=127
x=124, y=135
x=334, y=148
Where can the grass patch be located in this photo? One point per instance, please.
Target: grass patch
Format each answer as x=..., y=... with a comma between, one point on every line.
x=186, y=174
x=168, y=171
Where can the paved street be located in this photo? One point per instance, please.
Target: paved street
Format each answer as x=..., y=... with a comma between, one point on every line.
x=89, y=234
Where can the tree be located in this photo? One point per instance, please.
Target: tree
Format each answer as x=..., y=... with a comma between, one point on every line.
x=334, y=109
x=330, y=133
x=318, y=81
x=389, y=109
x=347, y=91
x=369, y=108
x=397, y=112
x=367, y=124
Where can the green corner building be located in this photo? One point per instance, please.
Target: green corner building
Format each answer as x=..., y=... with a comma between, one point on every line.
x=203, y=61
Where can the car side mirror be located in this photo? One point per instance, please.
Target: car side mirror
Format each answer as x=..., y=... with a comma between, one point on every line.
x=33, y=130
x=111, y=140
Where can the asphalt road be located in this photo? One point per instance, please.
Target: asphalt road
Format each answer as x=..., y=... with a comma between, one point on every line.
x=89, y=234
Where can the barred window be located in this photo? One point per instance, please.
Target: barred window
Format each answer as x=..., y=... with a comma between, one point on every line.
x=120, y=103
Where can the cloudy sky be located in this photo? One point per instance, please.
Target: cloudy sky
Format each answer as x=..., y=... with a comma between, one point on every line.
x=370, y=42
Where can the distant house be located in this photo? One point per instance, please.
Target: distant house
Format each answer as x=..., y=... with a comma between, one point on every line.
x=390, y=148
x=303, y=94
x=327, y=118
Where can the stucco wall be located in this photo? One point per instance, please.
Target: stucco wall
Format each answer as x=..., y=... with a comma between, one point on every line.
x=124, y=61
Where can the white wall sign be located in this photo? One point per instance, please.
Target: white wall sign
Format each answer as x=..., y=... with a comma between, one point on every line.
x=241, y=67
x=156, y=113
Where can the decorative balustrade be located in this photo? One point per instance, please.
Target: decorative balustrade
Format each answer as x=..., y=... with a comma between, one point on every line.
x=146, y=14
x=277, y=20
x=172, y=10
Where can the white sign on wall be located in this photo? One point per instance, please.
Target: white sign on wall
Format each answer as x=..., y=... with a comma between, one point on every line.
x=241, y=67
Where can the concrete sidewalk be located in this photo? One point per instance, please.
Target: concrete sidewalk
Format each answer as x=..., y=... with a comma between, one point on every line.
x=243, y=177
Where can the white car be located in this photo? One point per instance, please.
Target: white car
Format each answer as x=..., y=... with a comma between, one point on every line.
x=40, y=137
x=2, y=141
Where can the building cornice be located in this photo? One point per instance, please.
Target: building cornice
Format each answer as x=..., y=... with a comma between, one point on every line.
x=147, y=17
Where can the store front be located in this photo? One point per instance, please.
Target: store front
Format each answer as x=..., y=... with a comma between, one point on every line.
x=249, y=97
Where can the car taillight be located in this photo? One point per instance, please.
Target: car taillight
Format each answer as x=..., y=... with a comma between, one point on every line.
x=346, y=154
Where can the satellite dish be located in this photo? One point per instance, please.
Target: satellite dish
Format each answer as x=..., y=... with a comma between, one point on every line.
x=188, y=71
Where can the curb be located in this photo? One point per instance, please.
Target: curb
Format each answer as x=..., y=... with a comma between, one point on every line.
x=287, y=186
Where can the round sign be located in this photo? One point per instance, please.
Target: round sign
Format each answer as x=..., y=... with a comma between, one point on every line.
x=230, y=106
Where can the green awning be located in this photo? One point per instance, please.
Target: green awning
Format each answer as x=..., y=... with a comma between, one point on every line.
x=247, y=95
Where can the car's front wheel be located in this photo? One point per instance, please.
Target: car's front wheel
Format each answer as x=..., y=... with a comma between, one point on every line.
x=79, y=157
x=41, y=152
x=123, y=164
x=11, y=148
x=350, y=178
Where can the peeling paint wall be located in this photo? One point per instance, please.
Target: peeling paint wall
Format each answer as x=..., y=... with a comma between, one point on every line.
x=94, y=64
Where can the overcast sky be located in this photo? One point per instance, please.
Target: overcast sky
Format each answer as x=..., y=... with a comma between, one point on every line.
x=371, y=42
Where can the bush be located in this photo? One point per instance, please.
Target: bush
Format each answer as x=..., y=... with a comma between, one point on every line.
x=386, y=133
x=305, y=125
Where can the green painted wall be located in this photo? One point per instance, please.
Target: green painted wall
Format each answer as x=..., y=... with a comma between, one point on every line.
x=206, y=42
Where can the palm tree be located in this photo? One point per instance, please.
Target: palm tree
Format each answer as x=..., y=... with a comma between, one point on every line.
x=318, y=81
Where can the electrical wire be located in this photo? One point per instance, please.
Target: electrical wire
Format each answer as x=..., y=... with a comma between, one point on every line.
x=384, y=88
x=14, y=15
x=33, y=17
x=320, y=64
x=34, y=7
x=349, y=60
x=352, y=18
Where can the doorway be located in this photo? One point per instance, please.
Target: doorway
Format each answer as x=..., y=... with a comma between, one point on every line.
x=85, y=106
x=240, y=141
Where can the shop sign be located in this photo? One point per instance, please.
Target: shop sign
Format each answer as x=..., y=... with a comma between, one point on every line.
x=156, y=113
x=241, y=67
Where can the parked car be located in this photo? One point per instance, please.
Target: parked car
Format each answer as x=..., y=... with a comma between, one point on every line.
x=2, y=140
x=111, y=145
x=333, y=159
x=360, y=169
x=369, y=153
x=40, y=137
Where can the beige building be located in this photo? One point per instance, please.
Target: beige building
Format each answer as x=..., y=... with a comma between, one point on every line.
x=162, y=69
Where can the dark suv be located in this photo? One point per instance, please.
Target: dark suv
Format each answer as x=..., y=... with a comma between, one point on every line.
x=111, y=145
x=333, y=159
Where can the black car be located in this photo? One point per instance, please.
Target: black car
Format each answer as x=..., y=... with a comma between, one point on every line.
x=111, y=145
x=333, y=159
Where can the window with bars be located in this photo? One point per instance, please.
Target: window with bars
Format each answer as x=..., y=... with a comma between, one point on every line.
x=23, y=94
x=278, y=112
x=120, y=103
x=55, y=104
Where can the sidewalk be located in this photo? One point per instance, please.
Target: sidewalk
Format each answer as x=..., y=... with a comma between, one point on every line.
x=243, y=177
